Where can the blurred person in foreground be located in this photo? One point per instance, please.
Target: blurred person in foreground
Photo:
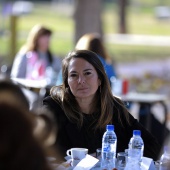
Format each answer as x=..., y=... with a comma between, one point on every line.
x=12, y=93
x=24, y=133
x=35, y=60
x=18, y=147
x=93, y=42
x=44, y=124
x=84, y=104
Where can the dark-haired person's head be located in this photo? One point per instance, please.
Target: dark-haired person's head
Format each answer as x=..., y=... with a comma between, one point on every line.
x=91, y=58
x=11, y=92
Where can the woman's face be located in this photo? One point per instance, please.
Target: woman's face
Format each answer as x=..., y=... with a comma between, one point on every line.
x=43, y=43
x=82, y=78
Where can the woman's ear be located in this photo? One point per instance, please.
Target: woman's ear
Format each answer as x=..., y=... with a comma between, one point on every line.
x=99, y=82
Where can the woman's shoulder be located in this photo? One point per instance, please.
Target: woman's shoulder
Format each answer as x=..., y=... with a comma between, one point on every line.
x=121, y=113
x=51, y=102
x=20, y=55
x=56, y=109
x=25, y=54
x=48, y=99
x=118, y=102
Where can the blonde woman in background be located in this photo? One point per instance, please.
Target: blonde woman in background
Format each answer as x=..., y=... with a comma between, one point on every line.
x=35, y=57
x=93, y=42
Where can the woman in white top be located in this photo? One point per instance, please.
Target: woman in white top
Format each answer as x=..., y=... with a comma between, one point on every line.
x=35, y=57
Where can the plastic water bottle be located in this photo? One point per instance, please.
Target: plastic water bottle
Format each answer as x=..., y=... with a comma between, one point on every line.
x=165, y=159
x=135, y=151
x=109, y=145
x=136, y=146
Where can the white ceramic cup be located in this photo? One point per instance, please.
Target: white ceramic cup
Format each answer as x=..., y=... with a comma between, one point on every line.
x=77, y=153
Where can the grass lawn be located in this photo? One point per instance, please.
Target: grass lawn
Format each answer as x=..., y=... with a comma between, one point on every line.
x=140, y=21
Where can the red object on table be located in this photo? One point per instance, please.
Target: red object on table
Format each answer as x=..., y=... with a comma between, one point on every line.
x=125, y=87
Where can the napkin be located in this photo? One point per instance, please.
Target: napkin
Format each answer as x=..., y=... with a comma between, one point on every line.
x=87, y=163
x=147, y=164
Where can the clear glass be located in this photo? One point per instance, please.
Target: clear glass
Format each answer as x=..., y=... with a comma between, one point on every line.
x=165, y=159
x=99, y=153
x=121, y=160
x=99, y=157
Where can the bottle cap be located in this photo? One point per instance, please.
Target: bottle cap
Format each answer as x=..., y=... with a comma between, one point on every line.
x=137, y=132
x=110, y=127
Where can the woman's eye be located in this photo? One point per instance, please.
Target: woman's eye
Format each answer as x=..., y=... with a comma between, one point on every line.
x=73, y=75
x=87, y=73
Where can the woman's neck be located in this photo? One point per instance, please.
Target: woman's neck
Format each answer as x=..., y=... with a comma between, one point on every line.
x=42, y=50
x=85, y=105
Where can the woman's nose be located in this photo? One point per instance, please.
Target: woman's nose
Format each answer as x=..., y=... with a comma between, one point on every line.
x=81, y=79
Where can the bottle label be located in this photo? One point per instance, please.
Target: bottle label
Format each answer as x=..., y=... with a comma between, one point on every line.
x=106, y=148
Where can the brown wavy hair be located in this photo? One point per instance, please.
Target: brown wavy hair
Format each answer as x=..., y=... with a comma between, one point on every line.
x=105, y=104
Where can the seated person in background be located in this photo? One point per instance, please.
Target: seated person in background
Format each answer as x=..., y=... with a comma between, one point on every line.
x=84, y=104
x=34, y=60
x=93, y=42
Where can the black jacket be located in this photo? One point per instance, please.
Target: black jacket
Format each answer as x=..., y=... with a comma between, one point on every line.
x=69, y=135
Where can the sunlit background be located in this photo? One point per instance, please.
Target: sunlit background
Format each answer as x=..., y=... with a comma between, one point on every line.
x=136, y=34
x=141, y=53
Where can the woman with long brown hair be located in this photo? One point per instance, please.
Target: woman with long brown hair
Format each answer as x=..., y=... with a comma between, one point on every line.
x=84, y=104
